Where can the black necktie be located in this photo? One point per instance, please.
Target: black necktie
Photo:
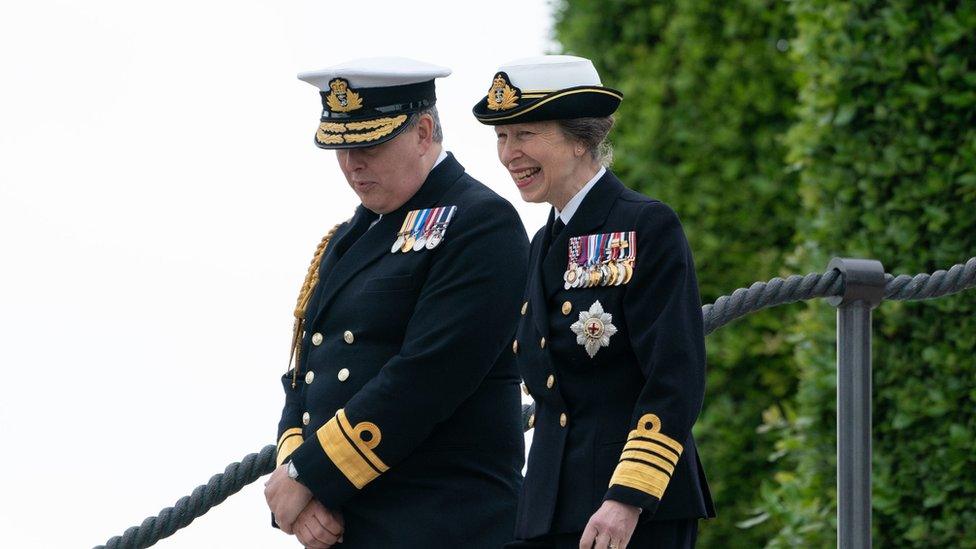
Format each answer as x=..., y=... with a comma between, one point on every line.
x=557, y=227
x=554, y=230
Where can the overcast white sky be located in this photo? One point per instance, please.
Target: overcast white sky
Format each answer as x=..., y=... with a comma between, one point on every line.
x=160, y=198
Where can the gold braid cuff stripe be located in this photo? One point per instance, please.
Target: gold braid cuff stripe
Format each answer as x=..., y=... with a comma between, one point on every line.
x=290, y=440
x=334, y=133
x=648, y=458
x=652, y=446
x=640, y=477
x=352, y=455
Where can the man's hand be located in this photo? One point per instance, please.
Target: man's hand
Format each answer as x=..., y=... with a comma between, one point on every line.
x=286, y=498
x=317, y=527
x=611, y=526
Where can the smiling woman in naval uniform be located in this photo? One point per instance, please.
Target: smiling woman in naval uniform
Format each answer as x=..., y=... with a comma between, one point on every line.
x=610, y=342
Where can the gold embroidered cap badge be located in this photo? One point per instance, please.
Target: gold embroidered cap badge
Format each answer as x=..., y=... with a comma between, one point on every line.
x=502, y=96
x=342, y=98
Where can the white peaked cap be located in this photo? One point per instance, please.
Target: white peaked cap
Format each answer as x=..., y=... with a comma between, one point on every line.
x=551, y=72
x=546, y=87
x=376, y=72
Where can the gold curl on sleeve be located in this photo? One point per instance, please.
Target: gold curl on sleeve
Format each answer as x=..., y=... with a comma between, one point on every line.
x=351, y=454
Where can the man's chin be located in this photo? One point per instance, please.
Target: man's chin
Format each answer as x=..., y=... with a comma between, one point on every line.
x=374, y=206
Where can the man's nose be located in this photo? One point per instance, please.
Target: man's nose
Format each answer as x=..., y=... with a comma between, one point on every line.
x=351, y=160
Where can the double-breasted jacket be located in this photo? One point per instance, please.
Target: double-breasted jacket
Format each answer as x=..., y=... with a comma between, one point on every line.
x=614, y=423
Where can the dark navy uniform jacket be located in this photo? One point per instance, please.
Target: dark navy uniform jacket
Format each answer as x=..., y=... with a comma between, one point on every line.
x=407, y=406
x=617, y=425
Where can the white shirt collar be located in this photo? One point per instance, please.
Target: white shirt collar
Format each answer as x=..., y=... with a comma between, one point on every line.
x=575, y=202
x=440, y=158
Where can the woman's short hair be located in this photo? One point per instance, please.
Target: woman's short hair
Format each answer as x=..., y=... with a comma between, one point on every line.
x=592, y=134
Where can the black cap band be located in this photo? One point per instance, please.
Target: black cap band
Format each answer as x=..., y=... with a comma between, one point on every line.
x=385, y=101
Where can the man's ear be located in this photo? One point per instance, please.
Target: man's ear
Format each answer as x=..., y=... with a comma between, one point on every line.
x=425, y=132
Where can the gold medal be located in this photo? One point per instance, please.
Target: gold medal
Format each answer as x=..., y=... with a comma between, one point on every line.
x=570, y=277
x=408, y=244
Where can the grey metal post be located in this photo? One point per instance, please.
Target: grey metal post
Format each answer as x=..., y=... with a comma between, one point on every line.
x=864, y=284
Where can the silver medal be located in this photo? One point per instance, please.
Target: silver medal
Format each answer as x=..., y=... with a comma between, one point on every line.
x=435, y=238
x=419, y=244
x=398, y=244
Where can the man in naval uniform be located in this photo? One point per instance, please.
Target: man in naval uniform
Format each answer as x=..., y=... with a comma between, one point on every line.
x=401, y=425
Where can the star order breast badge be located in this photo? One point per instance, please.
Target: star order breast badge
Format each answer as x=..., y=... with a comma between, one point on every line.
x=594, y=328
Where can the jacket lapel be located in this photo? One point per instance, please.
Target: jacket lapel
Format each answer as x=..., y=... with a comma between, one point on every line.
x=591, y=215
x=378, y=239
x=537, y=293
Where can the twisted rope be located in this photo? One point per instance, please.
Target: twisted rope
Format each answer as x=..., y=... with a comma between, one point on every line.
x=236, y=476
x=761, y=295
x=777, y=291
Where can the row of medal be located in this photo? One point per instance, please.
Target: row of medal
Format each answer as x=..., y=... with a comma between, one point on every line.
x=423, y=229
x=600, y=260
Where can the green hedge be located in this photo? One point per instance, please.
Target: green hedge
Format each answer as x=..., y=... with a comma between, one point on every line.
x=885, y=146
x=708, y=93
x=785, y=133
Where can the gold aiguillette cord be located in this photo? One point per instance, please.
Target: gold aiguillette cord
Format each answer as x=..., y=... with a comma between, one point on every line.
x=304, y=296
